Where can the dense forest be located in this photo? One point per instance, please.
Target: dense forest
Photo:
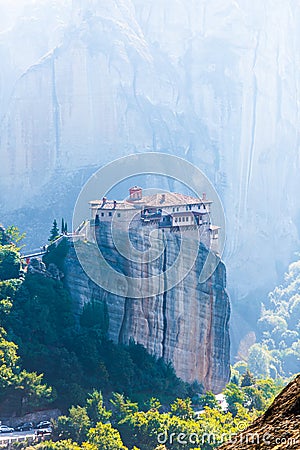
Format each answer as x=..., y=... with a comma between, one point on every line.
x=39, y=334
x=115, y=396
x=277, y=350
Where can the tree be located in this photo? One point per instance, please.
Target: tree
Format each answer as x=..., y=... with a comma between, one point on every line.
x=64, y=226
x=26, y=389
x=269, y=389
x=5, y=307
x=32, y=392
x=123, y=407
x=54, y=233
x=294, y=310
x=75, y=426
x=247, y=379
x=50, y=445
x=95, y=408
x=208, y=399
x=14, y=235
x=8, y=361
x=142, y=428
x=105, y=437
x=235, y=379
x=10, y=262
x=290, y=361
x=240, y=367
x=234, y=397
x=4, y=238
x=182, y=408
x=259, y=361
x=10, y=236
x=153, y=404
x=254, y=398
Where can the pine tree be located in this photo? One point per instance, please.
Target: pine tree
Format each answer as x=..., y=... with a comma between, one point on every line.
x=62, y=226
x=247, y=379
x=66, y=228
x=235, y=380
x=54, y=233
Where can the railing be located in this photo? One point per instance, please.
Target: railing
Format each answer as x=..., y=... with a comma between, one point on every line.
x=43, y=250
x=151, y=216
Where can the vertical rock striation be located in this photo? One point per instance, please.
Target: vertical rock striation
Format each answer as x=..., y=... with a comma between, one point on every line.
x=187, y=325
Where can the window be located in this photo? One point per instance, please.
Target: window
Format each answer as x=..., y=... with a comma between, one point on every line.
x=119, y=215
x=187, y=208
x=177, y=209
x=176, y=219
x=179, y=219
x=110, y=213
x=102, y=214
x=173, y=209
x=198, y=206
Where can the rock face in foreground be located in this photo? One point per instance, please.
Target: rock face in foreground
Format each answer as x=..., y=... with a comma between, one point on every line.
x=278, y=428
x=187, y=325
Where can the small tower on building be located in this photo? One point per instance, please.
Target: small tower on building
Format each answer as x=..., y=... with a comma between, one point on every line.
x=135, y=193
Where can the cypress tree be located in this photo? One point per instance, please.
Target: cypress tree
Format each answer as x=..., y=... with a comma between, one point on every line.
x=54, y=233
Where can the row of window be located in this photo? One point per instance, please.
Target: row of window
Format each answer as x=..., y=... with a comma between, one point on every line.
x=109, y=214
x=184, y=219
x=189, y=207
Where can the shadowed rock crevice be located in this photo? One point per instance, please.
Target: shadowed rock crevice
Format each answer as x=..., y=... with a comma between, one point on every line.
x=165, y=322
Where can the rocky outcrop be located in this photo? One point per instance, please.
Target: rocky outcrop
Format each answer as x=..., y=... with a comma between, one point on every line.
x=36, y=265
x=278, y=428
x=187, y=325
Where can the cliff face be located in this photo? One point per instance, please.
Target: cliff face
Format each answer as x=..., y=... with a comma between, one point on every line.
x=213, y=82
x=187, y=325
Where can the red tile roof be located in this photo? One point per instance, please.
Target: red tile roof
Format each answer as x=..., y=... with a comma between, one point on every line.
x=156, y=200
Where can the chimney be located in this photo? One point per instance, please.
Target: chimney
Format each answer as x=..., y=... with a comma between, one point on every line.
x=104, y=199
x=163, y=198
x=204, y=196
x=115, y=204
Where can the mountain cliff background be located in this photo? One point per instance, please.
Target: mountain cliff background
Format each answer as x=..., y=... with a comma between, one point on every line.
x=86, y=81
